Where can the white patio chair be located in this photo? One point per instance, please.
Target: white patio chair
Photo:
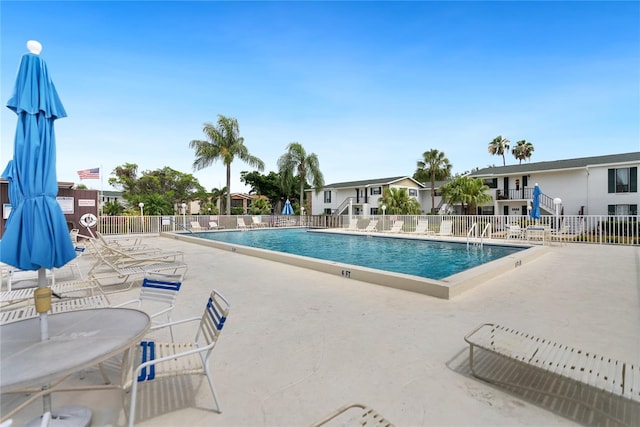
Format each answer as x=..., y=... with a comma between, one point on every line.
x=213, y=225
x=241, y=224
x=514, y=231
x=158, y=294
x=370, y=227
x=396, y=227
x=168, y=359
x=195, y=226
x=446, y=228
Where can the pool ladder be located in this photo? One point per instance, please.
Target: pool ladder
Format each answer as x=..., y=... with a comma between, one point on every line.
x=474, y=228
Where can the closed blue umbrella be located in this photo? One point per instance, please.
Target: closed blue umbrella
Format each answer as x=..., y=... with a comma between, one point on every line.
x=36, y=235
x=288, y=209
x=535, y=210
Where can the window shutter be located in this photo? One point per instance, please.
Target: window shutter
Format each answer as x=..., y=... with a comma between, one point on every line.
x=611, y=209
x=633, y=178
x=612, y=182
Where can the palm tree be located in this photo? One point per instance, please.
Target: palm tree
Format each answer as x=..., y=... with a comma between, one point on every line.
x=467, y=191
x=498, y=146
x=225, y=143
x=433, y=165
x=523, y=150
x=296, y=162
x=398, y=202
x=218, y=198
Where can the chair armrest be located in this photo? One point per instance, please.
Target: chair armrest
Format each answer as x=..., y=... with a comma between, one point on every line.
x=177, y=322
x=122, y=304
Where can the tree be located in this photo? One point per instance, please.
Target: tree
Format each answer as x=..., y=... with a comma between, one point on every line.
x=296, y=163
x=154, y=204
x=470, y=192
x=112, y=207
x=433, y=166
x=523, y=150
x=260, y=207
x=223, y=143
x=219, y=197
x=126, y=177
x=264, y=185
x=398, y=202
x=498, y=147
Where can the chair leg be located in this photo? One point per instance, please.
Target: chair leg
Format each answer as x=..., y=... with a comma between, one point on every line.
x=213, y=390
x=132, y=404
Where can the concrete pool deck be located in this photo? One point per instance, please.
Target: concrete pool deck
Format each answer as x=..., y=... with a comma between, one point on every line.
x=300, y=343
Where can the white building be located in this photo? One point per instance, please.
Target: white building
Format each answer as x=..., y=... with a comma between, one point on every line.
x=361, y=195
x=601, y=185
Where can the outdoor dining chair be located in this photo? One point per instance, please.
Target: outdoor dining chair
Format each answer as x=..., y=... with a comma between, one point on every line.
x=158, y=294
x=169, y=359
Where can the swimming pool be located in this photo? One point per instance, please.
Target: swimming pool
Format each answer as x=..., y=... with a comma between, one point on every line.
x=431, y=259
x=398, y=256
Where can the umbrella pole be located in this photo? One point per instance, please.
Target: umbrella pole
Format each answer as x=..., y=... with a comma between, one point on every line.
x=44, y=320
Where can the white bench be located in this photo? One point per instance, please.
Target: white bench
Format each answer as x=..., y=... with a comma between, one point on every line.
x=609, y=375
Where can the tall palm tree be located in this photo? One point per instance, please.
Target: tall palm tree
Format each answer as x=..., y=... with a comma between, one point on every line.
x=498, y=147
x=523, y=150
x=225, y=143
x=434, y=165
x=296, y=162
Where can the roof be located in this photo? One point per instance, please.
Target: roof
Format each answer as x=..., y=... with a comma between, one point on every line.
x=580, y=162
x=370, y=182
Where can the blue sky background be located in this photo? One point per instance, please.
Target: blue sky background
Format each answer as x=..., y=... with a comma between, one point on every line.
x=367, y=86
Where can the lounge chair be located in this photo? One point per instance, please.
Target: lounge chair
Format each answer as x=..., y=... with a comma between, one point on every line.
x=256, y=222
x=168, y=359
x=371, y=227
x=57, y=306
x=195, y=226
x=352, y=414
x=241, y=224
x=213, y=225
x=396, y=227
x=603, y=373
x=446, y=228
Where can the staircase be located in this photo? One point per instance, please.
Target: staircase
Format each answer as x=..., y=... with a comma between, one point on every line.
x=343, y=206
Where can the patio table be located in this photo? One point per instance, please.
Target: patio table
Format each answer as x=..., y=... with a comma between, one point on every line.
x=77, y=340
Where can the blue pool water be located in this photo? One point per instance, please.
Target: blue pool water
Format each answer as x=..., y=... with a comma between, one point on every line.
x=424, y=258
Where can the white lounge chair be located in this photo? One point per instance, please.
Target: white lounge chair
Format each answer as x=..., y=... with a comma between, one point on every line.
x=241, y=224
x=446, y=228
x=354, y=414
x=213, y=225
x=370, y=227
x=603, y=373
x=396, y=227
x=195, y=226
x=257, y=222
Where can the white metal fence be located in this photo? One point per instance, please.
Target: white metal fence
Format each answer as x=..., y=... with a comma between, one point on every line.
x=600, y=229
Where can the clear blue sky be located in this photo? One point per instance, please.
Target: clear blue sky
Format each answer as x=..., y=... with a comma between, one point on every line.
x=367, y=86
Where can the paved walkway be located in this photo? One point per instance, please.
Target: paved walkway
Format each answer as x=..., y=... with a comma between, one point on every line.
x=299, y=344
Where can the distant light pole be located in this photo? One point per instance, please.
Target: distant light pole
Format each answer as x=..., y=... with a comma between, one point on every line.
x=141, y=205
x=557, y=202
x=184, y=216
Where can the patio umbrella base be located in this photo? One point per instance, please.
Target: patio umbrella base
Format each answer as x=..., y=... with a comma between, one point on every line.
x=66, y=416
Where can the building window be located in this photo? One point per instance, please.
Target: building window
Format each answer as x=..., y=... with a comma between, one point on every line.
x=622, y=210
x=413, y=192
x=327, y=196
x=328, y=211
x=623, y=180
x=374, y=211
x=376, y=191
x=485, y=210
x=491, y=182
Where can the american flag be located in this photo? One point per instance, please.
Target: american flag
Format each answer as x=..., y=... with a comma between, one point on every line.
x=89, y=173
